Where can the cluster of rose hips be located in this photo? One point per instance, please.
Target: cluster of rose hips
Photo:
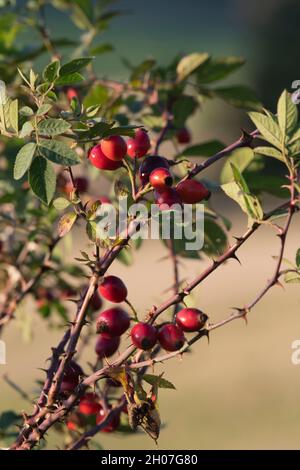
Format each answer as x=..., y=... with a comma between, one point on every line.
x=110, y=152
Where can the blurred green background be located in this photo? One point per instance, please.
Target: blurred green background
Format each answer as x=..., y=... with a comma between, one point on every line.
x=241, y=390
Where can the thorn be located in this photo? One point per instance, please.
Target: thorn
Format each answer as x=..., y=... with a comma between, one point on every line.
x=238, y=239
x=234, y=256
x=279, y=284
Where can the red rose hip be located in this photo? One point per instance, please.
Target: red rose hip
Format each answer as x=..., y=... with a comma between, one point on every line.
x=161, y=178
x=144, y=336
x=113, y=322
x=171, y=337
x=138, y=145
x=89, y=404
x=99, y=160
x=112, y=288
x=113, y=423
x=192, y=191
x=106, y=345
x=71, y=377
x=72, y=93
x=183, y=136
x=114, y=147
x=191, y=319
x=152, y=162
x=167, y=198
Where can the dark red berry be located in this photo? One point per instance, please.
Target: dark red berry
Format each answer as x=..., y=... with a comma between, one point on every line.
x=192, y=191
x=114, y=147
x=183, y=136
x=171, y=337
x=113, y=321
x=149, y=164
x=112, y=288
x=167, y=198
x=71, y=377
x=139, y=145
x=89, y=404
x=161, y=178
x=191, y=319
x=106, y=345
x=99, y=160
x=96, y=302
x=144, y=336
x=113, y=423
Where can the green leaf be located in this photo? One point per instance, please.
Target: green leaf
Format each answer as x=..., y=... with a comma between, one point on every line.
x=13, y=115
x=122, y=130
x=74, y=66
x=269, y=152
x=241, y=158
x=23, y=160
x=42, y=179
x=287, y=113
x=205, y=149
x=26, y=130
x=268, y=128
x=298, y=258
x=26, y=111
x=121, y=188
x=101, y=49
x=189, y=64
x=158, y=381
x=183, y=108
x=91, y=230
x=239, y=96
x=247, y=202
x=141, y=69
x=153, y=122
x=44, y=109
x=217, y=69
x=65, y=223
x=70, y=79
x=58, y=152
x=51, y=71
x=215, y=239
x=61, y=203
x=97, y=95
x=292, y=277
x=53, y=126
x=7, y=419
x=125, y=257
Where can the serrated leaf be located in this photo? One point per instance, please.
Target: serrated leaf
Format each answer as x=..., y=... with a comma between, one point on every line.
x=292, y=277
x=51, y=71
x=298, y=258
x=26, y=111
x=269, y=152
x=190, y=63
x=239, y=96
x=205, y=149
x=23, y=160
x=247, y=202
x=91, y=230
x=26, y=130
x=74, y=65
x=158, y=381
x=13, y=115
x=42, y=179
x=53, y=126
x=58, y=152
x=268, y=128
x=70, y=79
x=287, y=113
x=219, y=68
x=44, y=109
x=65, y=223
x=241, y=158
x=61, y=203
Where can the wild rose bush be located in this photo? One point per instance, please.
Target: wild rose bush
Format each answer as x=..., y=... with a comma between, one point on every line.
x=65, y=116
